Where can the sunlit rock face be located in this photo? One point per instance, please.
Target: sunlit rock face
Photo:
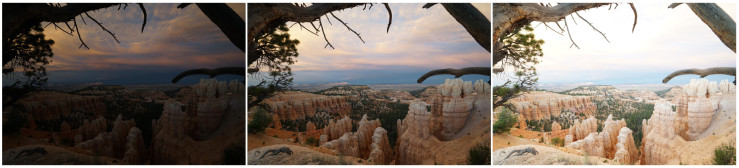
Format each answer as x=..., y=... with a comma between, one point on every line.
x=298, y=105
x=626, y=151
x=602, y=144
x=207, y=119
x=334, y=130
x=368, y=138
x=380, y=151
x=541, y=105
x=581, y=130
x=693, y=115
x=439, y=118
x=451, y=108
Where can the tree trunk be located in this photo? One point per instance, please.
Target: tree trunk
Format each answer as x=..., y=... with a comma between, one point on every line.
x=473, y=21
x=720, y=23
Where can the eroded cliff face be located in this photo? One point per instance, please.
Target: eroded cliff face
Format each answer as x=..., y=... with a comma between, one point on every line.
x=50, y=105
x=700, y=112
x=626, y=151
x=116, y=143
x=602, y=144
x=541, y=105
x=335, y=130
x=581, y=130
x=439, y=120
x=369, y=142
x=198, y=130
x=295, y=105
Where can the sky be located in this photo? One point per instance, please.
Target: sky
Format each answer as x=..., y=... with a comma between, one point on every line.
x=665, y=40
x=419, y=40
x=174, y=40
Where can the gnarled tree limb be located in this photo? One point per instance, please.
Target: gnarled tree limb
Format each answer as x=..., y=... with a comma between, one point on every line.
x=702, y=72
x=456, y=72
x=720, y=23
x=211, y=72
x=227, y=20
x=472, y=20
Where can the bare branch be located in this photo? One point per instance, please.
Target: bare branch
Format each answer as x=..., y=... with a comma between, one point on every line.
x=456, y=72
x=428, y=5
x=568, y=34
x=560, y=27
x=210, y=72
x=301, y=25
x=328, y=20
x=57, y=27
x=144, y=11
x=591, y=25
x=103, y=27
x=702, y=72
x=633, y=9
x=573, y=19
x=390, y=14
x=347, y=26
x=328, y=44
x=718, y=20
x=78, y=34
x=545, y=24
x=673, y=5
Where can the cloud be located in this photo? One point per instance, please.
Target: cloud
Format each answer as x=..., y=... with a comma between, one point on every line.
x=664, y=40
x=173, y=38
x=419, y=38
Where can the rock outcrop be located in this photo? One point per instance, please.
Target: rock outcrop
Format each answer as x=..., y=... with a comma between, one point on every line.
x=541, y=105
x=626, y=151
x=693, y=115
x=335, y=130
x=380, y=151
x=556, y=127
x=581, y=130
x=135, y=148
x=295, y=105
x=211, y=119
x=602, y=144
x=365, y=131
x=346, y=145
x=450, y=109
x=114, y=143
x=91, y=129
x=50, y=105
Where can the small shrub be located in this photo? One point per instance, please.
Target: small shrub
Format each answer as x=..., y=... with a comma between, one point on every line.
x=15, y=120
x=558, y=141
x=312, y=141
x=506, y=120
x=234, y=155
x=479, y=155
x=261, y=119
x=724, y=155
x=520, y=136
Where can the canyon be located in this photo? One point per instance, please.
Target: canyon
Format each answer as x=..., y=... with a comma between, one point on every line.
x=194, y=124
x=681, y=127
x=436, y=128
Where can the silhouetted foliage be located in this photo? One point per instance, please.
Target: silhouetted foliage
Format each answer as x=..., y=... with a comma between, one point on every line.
x=479, y=154
x=234, y=155
x=260, y=119
x=14, y=119
x=506, y=120
x=276, y=52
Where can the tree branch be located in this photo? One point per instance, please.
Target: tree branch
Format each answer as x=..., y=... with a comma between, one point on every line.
x=347, y=27
x=591, y=25
x=103, y=27
x=390, y=15
x=141, y=5
x=472, y=20
x=720, y=23
x=702, y=72
x=456, y=72
x=227, y=20
x=211, y=72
